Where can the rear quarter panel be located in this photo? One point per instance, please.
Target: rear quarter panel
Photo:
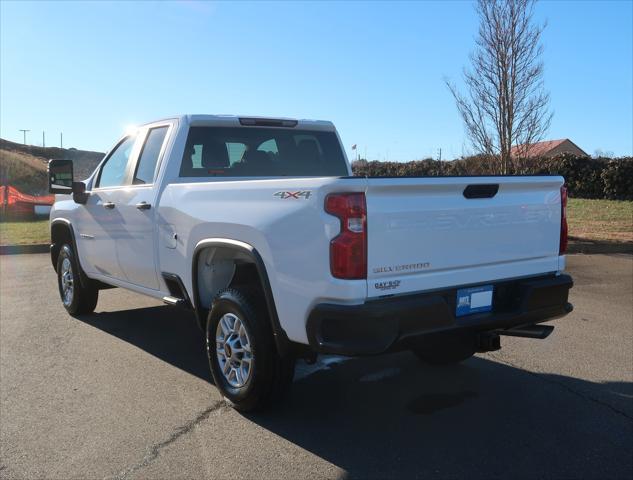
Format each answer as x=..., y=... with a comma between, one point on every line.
x=292, y=236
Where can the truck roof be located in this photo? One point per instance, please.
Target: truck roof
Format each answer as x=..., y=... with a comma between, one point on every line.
x=234, y=121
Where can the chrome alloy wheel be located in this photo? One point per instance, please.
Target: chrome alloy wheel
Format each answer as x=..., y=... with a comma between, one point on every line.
x=68, y=282
x=233, y=349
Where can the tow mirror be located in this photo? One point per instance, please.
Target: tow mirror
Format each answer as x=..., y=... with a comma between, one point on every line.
x=61, y=180
x=60, y=176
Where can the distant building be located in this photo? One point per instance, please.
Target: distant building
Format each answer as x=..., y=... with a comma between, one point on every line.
x=549, y=148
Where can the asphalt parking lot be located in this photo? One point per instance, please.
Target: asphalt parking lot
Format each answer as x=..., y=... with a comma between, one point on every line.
x=126, y=393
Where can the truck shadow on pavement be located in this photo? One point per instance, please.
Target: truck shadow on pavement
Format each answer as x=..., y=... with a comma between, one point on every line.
x=168, y=333
x=393, y=417
x=390, y=416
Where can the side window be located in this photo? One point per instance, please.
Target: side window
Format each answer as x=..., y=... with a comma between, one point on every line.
x=146, y=166
x=113, y=171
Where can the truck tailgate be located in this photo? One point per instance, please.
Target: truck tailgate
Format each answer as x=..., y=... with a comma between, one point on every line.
x=424, y=234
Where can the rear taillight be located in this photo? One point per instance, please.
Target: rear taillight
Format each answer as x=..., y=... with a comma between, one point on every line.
x=563, y=220
x=348, y=250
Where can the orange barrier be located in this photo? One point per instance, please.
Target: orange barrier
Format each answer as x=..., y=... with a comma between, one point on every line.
x=15, y=204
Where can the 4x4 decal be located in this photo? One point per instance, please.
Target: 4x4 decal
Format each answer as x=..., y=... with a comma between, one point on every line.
x=305, y=194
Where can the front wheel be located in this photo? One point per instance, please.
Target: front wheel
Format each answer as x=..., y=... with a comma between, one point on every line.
x=76, y=298
x=242, y=355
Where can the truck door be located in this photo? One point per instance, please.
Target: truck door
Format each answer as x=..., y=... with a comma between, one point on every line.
x=99, y=222
x=136, y=246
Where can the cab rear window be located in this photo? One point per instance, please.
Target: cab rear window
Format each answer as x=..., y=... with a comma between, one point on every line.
x=261, y=152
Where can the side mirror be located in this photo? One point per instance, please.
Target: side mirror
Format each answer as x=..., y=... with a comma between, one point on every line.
x=60, y=176
x=60, y=180
x=79, y=192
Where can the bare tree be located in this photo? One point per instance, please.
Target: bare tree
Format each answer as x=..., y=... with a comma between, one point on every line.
x=505, y=104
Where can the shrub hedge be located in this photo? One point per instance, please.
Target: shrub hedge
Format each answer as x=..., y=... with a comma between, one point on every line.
x=585, y=177
x=617, y=179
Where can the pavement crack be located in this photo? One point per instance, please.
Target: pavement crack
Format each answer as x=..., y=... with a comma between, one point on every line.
x=154, y=451
x=578, y=393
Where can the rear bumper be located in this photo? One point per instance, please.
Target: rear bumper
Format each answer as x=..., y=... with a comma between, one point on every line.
x=396, y=323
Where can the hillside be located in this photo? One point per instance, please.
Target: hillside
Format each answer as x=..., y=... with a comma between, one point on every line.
x=23, y=171
x=24, y=166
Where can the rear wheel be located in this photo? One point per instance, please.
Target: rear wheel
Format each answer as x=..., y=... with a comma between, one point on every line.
x=242, y=355
x=447, y=349
x=76, y=298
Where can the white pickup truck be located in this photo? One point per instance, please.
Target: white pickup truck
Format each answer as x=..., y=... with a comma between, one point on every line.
x=259, y=227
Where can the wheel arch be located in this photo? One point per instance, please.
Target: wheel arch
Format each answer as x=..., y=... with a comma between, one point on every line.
x=241, y=250
x=61, y=233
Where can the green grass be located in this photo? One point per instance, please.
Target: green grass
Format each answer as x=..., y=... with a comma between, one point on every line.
x=22, y=233
x=610, y=220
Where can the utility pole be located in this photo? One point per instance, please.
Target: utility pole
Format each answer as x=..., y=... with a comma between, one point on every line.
x=440, y=166
x=61, y=140
x=43, y=139
x=24, y=132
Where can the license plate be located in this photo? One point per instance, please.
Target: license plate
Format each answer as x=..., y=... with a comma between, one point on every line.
x=474, y=300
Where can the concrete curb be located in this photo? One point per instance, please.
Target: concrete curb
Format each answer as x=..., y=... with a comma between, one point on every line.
x=19, y=249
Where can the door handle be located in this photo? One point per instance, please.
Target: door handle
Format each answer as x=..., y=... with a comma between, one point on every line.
x=487, y=190
x=108, y=205
x=143, y=206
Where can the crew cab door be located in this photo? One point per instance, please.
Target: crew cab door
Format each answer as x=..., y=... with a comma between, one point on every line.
x=99, y=223
x=136, y=245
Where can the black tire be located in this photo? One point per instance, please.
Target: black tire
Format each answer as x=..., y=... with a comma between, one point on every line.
x=269, y=376
x=447, y=349
x=83, y=299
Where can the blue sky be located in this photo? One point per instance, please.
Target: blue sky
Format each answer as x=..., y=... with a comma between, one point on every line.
x=89, y=69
